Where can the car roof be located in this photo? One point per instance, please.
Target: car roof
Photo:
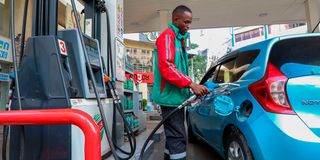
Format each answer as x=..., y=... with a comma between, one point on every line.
x=262, y=43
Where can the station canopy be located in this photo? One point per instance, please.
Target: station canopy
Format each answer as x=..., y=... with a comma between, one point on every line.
x=144, y=15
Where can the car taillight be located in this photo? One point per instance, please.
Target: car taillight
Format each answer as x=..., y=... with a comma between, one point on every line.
x=270, y=91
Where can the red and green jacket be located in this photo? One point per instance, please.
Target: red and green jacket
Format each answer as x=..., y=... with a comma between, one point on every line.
x=171, y=81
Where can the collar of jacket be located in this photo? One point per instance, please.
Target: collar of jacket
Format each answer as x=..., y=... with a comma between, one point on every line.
x=178, y=34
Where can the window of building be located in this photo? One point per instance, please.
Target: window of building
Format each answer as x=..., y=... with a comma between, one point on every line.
x=237, y=37
x=249, y=34
x=269, y=29
x=294, y=25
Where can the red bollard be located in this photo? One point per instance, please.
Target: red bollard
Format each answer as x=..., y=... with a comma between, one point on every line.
x=59, y=116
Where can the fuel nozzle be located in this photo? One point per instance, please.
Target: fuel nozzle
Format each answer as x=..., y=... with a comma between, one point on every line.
x=211, y=86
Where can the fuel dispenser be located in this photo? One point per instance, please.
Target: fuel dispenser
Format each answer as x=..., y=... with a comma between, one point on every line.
x=57, y=78
x=80, y=79
x=53, y=74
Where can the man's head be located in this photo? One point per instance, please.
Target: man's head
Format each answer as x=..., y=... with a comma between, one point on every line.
x=182, y=18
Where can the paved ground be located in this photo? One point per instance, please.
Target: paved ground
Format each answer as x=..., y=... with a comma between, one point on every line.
x=196, y=151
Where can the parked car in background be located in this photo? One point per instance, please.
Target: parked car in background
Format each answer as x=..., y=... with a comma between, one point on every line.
x=278, y=100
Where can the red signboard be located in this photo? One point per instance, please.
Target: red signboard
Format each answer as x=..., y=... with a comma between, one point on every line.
x=143, y=77
x=129, y=76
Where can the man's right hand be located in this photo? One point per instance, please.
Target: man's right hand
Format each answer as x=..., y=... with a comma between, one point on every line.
x=199, y=89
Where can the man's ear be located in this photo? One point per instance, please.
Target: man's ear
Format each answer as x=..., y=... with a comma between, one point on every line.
x=175, y=20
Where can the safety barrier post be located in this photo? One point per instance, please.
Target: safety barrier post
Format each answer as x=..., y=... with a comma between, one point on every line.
x=79, y=118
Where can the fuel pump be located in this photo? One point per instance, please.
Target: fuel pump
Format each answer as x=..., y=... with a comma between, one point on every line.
x=62, y=69
x=58, y=70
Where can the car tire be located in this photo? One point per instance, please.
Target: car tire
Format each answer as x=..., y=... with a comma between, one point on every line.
x=236, y=147
x=192, y=138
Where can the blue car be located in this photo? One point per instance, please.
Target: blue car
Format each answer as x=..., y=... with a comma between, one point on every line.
x=273, y=112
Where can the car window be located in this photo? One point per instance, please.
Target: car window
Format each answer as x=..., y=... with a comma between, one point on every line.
x=215, y=74
x=297, y=57
x=209, y=75
x=226, y=72
x=243, y=61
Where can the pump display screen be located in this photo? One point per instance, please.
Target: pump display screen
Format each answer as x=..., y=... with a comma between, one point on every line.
x=92, y=50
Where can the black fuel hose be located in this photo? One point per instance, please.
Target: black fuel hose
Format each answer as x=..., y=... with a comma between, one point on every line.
x=184, y=104
x=210, y=85
x=117, y=102
x=16, y=78
x=154, y=131
x=93, y=80
x=104, y=119
x=128, y=129
x=6, y=128
x=23, y=34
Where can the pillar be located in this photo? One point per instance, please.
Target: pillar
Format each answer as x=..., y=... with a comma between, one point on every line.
x=165, y=19
x=312, y=14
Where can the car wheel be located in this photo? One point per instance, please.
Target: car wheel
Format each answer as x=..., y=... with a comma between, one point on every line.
x=192, y=138
x=237, y=147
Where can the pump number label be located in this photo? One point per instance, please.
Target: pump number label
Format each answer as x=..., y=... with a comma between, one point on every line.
x=63, y=49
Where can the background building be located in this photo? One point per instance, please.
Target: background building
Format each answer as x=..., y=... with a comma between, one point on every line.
x=139, y=54
x=243, y=36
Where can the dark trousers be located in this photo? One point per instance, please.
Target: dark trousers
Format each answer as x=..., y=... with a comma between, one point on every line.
x=175, y=132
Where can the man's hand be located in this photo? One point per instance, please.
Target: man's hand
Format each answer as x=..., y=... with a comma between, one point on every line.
x=199, y=89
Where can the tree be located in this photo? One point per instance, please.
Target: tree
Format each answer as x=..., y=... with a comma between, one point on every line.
x=199, y=67
x=199, y=64
x=193, y=46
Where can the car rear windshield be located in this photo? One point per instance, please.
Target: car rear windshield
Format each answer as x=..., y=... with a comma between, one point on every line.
x=297, y=57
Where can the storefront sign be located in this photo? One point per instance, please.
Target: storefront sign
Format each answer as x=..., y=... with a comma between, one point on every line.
x=149, y=36
x=5, y=49
x=4, y=77
x=143, y=77
x=129, y=76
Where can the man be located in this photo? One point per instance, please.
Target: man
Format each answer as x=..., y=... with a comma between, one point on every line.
x=171, y=82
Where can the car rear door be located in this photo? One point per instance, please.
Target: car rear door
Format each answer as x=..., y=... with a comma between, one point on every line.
x=231, y=71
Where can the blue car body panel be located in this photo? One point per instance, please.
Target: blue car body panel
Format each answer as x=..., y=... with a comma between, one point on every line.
x=269, y=135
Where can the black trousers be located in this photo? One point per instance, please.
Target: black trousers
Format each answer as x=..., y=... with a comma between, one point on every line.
x=175, y=132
